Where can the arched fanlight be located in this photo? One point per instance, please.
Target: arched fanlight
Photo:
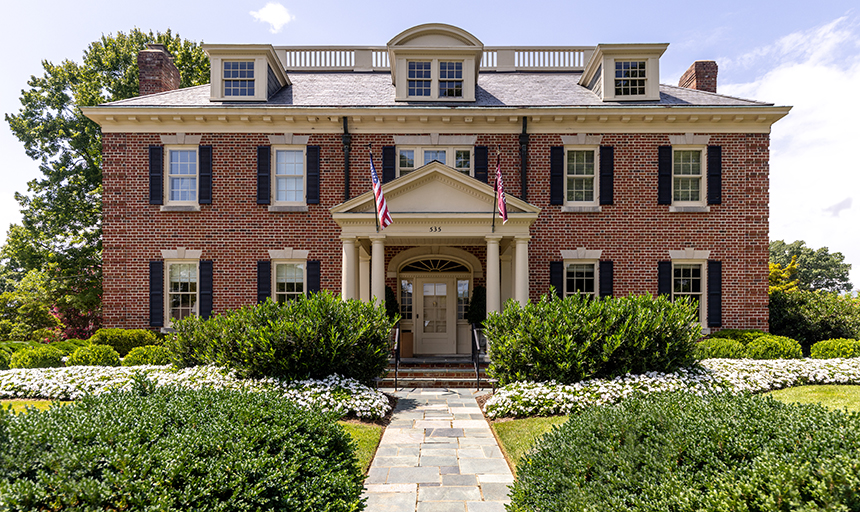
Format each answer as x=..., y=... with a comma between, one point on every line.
x=434, y=265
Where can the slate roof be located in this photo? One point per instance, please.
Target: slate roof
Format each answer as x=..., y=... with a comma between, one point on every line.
x=350, y=89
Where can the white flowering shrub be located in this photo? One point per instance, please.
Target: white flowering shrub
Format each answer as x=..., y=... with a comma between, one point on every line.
x=715, y=376
x=334, y=393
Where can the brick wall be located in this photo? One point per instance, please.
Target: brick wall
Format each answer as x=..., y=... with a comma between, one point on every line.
x=701, y=75
x=635, y=233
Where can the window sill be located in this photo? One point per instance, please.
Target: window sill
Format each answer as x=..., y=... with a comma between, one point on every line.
x=180, y=208
x=581, y=209
x=284, y=208
x=167, y=330
x=689, y=209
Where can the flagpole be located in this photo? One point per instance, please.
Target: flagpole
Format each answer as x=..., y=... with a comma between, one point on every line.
x=496, y=187
x=375, y=204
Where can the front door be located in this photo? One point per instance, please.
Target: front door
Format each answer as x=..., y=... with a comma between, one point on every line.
x=435, y=325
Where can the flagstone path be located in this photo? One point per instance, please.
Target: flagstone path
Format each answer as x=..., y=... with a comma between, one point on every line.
x=437, y=455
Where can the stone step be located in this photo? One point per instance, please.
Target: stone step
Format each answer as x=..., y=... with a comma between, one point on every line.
x=435, y=382
x=466, y=373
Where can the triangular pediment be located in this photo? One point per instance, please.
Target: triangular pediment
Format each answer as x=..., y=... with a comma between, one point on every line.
x=435, y=188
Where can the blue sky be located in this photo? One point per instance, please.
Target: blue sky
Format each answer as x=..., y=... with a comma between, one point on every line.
x=786, y=52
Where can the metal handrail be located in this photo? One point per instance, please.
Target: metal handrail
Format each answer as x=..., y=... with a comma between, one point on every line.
x=476, y=356
x=396, y=353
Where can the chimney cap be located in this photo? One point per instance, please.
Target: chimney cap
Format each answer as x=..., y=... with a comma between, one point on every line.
x=158, y=47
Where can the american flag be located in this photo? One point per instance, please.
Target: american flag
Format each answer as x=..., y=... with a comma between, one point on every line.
x=381, y=207
x=500, y=193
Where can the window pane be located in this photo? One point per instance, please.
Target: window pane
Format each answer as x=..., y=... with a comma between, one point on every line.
x=462, y=298
x=463, y=161
x=434, y=154
x=289, y=281
x=406, y=299
x=407, y=158
x=580, y=278
x=417, y=71
x=629, y=78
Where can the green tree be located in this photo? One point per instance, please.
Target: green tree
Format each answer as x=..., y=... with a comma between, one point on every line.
x=816, y=269
x=62, y=208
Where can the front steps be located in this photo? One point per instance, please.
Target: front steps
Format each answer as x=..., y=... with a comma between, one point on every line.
x=437, y=372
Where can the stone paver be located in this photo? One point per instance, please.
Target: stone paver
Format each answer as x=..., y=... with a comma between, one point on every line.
x=438, y=454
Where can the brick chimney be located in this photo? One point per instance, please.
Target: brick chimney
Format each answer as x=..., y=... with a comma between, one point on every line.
x=158, y=73
x=702, y=76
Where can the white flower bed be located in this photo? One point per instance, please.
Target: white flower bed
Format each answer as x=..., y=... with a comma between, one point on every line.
x=716, y=376
x=347, y=396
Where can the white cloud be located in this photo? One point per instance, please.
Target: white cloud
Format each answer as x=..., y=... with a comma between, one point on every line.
x=813, y=164
x=275, y=14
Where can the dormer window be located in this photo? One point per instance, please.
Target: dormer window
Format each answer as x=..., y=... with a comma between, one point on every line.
x=244, y=72
x=239, y=78
x=629, y=78
x=450, y=79
x=624, y=72
x=419, y=78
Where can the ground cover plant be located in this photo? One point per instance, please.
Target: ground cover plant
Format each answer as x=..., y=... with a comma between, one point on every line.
x=681, y=452
x=311, y=337
x=173, y=449
x=575, y=338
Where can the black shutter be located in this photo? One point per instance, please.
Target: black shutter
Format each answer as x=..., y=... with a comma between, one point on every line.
x=313, y=276
x=389, y=163
x=482, y=163
x=204, y=194
x=556, y=175
x=715, y=175
x=313, y=154
x=607, y=170
x=715, y=293
x=664, y=175
x=664, y=278
x=264, y=174
x=156, y=293
x=556, y=277
x=264, y=280
x=156, y=175
x=205, y=289
x=606, y=279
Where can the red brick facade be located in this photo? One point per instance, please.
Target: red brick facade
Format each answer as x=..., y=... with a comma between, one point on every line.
x=235, y=232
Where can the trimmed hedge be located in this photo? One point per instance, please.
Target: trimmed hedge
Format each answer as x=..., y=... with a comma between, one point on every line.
x=725, y=348
x=94, y=355
x=4, y=360
x=123, y=340
x=568, y=340
x=773, y=347
x=683, y=453
x=744, y=336
x=310, y=337
x=150, y=354
x=175, y=450
x=44, y=356
x=836, y=348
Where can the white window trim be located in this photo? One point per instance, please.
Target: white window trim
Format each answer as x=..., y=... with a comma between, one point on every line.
x=274, y=182
x=589, y=261
x=168, y=203
x=276, y=262
x=256, y=80
x=450, y=156
x=168, y=323
x=700, y=206
x=703, y=301
x=596, y=201
x=435, y=73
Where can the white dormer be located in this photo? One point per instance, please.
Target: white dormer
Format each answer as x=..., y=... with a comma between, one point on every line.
x=624, y=72
x=244, y=72
x=435, y=62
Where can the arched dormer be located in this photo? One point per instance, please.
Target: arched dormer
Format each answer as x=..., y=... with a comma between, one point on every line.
x=435, y=62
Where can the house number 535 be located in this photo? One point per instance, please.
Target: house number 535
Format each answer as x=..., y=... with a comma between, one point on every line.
x=435, y=229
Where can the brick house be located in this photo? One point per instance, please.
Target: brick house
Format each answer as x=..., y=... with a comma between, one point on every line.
x=258, y=184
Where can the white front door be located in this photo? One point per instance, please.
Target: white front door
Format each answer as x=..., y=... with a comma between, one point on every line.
x=435, y=324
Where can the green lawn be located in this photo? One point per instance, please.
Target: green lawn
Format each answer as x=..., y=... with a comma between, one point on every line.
x=21, y=405
x=830, y=396
x=516, y=437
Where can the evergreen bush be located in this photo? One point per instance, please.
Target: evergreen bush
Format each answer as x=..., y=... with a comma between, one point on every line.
x=722, y=348
x=123, y=340
x=4, y=360
x=173, y=450
x=773, y=347
x=744, y=336
x=69, y=346
x=94, y=355
x=150, y=354
x=836, y=348
x=685, y=453
x=575, y=338
x=43, y=356
x=810, y=317
x=310, y=337
x=476, y=311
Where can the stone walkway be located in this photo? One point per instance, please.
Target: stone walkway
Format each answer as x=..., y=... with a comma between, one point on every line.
x=437, y=455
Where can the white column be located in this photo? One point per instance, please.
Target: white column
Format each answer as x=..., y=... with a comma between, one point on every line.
x=507, y=276
x=363, y=275
x=349, y=268
x=521, y=272
x=493, y=279
x=377, y=262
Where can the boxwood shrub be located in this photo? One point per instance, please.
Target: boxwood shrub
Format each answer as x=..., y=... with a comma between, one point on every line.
x=43, y=356
x=150, y=354
x=310, y=337
x=571, y=339
x=94, y=355
x=175, y=450
x=123, y=340
x=773, y=347
x=744, y=336
x=725, y=348
x=4, y=360
x=67, y=347
x=682, y=453
x=832, y=349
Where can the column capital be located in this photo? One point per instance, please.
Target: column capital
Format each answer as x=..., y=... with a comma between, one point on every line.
x=493, y=239
x=520, y=239
x=377, y=239
x=347, y=239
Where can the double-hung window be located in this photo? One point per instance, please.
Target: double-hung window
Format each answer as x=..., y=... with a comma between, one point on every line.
x=289, y=280
x=450, y=79
x=630, y=78
x=289, y=176
x=411, y=158
x=182, y=290
x=580, y=278
x=419, y=78
x=688, y=177
x=182, y=173
x=434, y=79
x=581, y=176
x=238, y=78
x=688, y=284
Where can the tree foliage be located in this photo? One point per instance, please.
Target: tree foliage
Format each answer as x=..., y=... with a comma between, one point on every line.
x=62, y=208
x=816, y=269
x=782, y=279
